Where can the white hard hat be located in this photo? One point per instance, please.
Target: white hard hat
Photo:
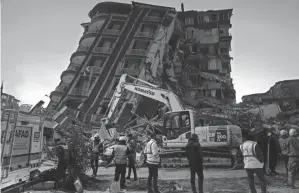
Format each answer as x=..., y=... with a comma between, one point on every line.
x=283, y=132
x=122, y=138
x=292, y=132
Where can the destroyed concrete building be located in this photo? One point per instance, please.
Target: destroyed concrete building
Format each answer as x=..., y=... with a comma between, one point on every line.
x=9, y=102
x=186, y=52
x=284, y=93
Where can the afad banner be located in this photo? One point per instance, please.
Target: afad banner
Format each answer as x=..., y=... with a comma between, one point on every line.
x=21, y=144
x=22, y=140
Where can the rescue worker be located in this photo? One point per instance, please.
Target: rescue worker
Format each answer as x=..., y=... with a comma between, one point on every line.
x=195, y=159
x=120, y=153
x=283, y=142
x=62, y=153
x=293, y=153
x=153, y=160
x=253, y=162
x=96, y=151
x=132, y=157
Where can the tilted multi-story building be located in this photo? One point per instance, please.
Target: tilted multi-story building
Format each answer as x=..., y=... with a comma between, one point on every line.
x=187, y=52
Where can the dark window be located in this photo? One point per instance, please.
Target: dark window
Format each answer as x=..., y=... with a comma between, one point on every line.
x=192, y=79
x=214, y=17
x=115, y=84
x=141, y=45
x=104, y=109
x=204, y=50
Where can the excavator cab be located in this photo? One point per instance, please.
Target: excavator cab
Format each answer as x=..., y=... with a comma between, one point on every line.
x=177, y=127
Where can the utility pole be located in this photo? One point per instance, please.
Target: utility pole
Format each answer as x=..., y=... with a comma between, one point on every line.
x=1, y=87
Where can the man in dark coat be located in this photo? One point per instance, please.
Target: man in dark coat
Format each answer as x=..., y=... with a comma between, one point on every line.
x=96, y=151
x=132, y=157
x=273, y=151
x=261, y=139
x=63, y=161
x=195, y=158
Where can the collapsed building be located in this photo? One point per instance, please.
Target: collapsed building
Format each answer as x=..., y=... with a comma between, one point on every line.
x=186, y=52
x=284, y=93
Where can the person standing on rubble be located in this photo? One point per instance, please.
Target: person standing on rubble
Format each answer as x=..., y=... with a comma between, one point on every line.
x=120, y=153
x=96, y=151
x=293, y=153
x=132, y=157
x=62, y=152
x=153, y=160
x=195, y=159
x=283, y=142
x=253, y=162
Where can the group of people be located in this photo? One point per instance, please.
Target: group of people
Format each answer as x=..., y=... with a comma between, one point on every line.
x=124, y=154
x=257, y=151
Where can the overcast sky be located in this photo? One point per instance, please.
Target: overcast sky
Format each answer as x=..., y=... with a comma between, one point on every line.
x=39, y=36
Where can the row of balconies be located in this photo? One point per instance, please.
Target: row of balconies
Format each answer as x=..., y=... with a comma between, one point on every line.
x=57, y=94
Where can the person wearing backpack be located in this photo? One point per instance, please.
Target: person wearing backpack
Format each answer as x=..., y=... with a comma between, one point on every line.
x=96, y=151
x=153, y=161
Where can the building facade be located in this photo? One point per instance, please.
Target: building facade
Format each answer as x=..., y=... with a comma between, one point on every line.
x=154, y=43
x=9, y=102
x=285, y=93
x=207, y=62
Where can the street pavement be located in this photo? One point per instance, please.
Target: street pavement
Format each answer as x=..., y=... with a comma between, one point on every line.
x=170, y=174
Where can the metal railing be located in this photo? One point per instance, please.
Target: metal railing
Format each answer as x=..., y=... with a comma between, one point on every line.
x=60, y=88
x=74, y=68
x=114, y=32
x=145, y=34
x=105, y=50
x=153, y=18
x=93, y=31
x=83, y=48
x=130, y=71
x=139, y=52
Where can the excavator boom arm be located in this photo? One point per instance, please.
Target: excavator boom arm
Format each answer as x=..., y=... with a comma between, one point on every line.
x=146, y=89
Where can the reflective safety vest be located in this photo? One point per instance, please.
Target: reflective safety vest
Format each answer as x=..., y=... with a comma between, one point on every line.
x=120, y=154
x=150, y=157
x=248, y=151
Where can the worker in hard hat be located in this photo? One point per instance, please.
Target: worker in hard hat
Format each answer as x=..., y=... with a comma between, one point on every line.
x=120, y=153
x=293, y=153
x=283, y=142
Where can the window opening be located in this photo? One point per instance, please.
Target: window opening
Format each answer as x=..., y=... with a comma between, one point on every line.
x=143, y=45
x=115, y=85
x=208, y=32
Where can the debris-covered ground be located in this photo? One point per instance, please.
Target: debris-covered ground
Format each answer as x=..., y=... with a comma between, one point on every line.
x=174, y=180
